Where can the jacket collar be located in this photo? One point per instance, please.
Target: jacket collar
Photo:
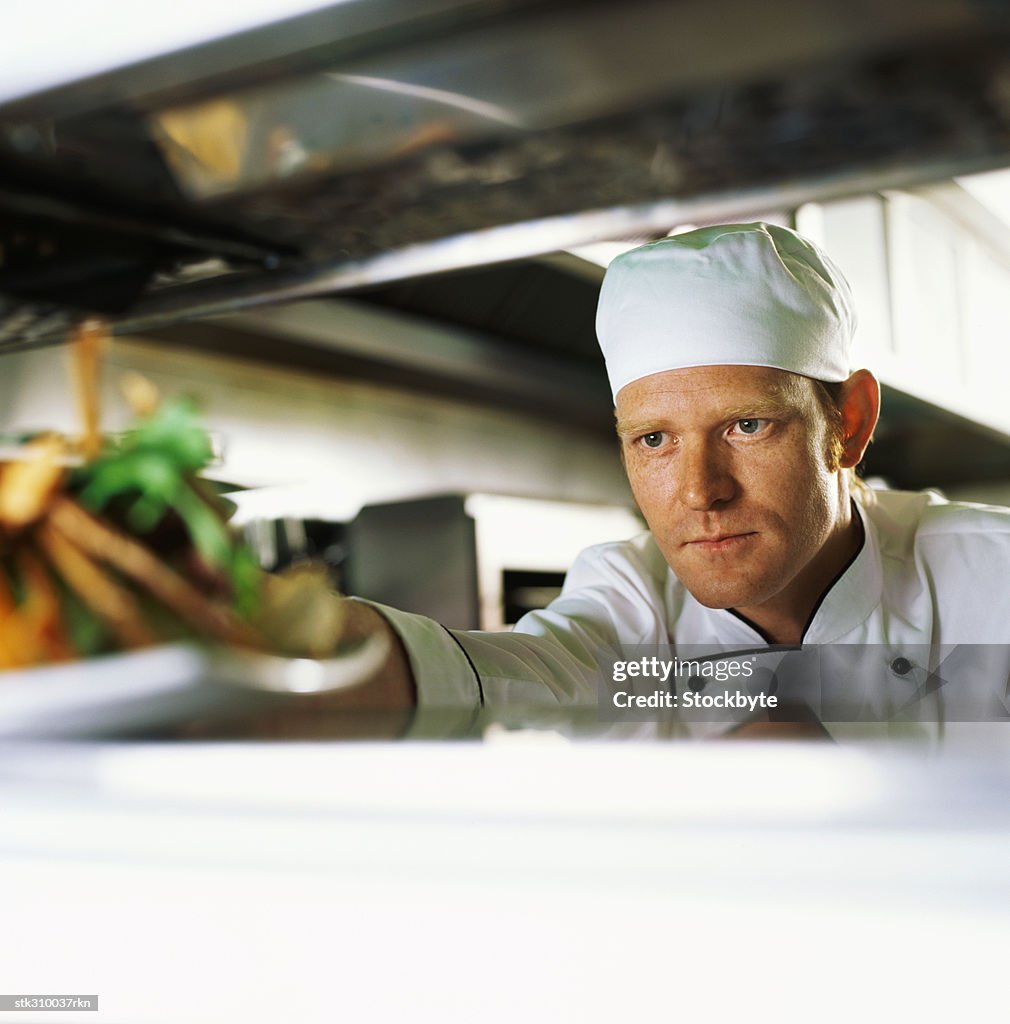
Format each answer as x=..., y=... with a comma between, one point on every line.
x=854, y=596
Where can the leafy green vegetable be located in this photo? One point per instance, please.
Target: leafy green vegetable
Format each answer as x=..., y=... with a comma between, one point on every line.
x=152, y=458
x=152, y=470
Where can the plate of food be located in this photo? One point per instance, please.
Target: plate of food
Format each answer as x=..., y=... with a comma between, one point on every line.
x=127, y=602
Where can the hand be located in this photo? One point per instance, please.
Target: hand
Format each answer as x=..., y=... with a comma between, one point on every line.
x=380, y=708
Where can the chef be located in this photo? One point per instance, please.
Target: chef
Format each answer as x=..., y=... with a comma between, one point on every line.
x=740, y=423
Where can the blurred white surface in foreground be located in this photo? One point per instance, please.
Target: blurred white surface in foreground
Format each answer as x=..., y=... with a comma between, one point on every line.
x=506, y=881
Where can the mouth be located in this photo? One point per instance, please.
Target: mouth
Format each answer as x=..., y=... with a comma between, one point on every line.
x=719, y=542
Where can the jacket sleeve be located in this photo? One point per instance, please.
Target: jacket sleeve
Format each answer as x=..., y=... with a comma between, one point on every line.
x=612, y=596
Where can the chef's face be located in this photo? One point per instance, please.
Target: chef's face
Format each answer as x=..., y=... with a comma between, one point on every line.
x=730, y=467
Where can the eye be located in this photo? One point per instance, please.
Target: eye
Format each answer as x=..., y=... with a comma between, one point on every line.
x=750, y=426
x=653, y=439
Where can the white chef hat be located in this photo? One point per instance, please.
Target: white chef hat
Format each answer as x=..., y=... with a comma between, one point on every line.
x=738, y=294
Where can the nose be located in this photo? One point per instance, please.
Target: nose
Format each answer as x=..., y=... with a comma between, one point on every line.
x=704, y=478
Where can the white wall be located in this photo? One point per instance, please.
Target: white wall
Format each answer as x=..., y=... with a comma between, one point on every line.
x=930, y=274
x=331, y=445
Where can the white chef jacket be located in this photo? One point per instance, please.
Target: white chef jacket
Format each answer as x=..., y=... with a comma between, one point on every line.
x=931, y=574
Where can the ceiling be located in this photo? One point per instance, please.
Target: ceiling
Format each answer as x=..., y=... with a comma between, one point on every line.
x=374, y=141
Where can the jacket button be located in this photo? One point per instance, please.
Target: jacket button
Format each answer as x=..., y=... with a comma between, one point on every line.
x=901, y=666
x=696, y=684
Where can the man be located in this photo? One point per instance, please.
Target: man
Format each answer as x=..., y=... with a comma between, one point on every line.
x=740, y=425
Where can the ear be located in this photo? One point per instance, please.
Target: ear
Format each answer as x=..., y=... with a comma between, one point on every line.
x=859, y=404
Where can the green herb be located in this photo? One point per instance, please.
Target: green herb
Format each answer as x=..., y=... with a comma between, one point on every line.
x=152, y=470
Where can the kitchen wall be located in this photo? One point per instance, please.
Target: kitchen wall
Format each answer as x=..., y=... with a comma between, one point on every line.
x=319, y=447
x=930, y=275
